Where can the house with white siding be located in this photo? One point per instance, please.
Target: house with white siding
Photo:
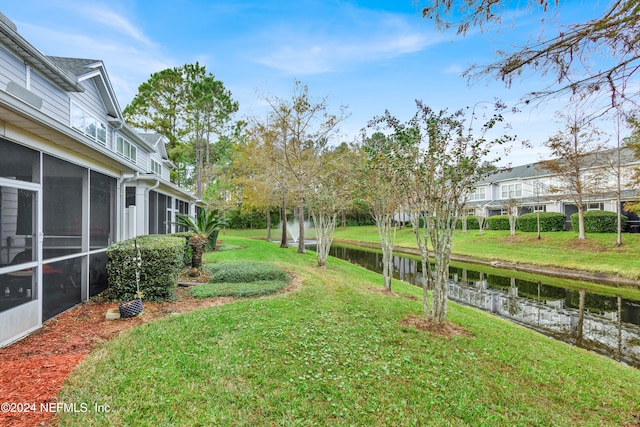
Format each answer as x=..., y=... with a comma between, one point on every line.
x=73, y=179
x=532, y=188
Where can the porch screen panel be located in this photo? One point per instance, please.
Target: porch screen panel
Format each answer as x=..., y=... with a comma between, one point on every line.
x=97, y=273
x=62, y=207
x=61, y=286
x=153, y=212
x=17, y=226
x=102, y=196
x=162, y=214
x=18, y=162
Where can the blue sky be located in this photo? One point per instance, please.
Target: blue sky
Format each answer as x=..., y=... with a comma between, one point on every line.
x=367, y=55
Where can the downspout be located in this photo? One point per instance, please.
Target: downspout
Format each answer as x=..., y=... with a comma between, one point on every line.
x=123, y=200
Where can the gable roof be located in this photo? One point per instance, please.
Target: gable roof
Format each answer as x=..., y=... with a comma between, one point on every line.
x=536, y=170
x=156, y=140
x=84, y=69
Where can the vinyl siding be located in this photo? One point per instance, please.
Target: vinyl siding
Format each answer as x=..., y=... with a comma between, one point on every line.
x=13, y=69
x=90, y=100
x=55, y=101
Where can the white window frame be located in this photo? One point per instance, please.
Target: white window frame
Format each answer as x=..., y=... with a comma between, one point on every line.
x=156, y=167
x=81, y=121
x=508, y=191
x=479, y=193
x=126, y=149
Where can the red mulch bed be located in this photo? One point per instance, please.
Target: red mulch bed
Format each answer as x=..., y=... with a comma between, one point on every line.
x=33, y=369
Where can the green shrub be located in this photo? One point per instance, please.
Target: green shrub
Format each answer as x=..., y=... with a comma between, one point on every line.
x=498, y=222
x=238, y=290
x=244, y=272
x=599, y=222
x=162, y=257
x=472, y=223
x=549, y=221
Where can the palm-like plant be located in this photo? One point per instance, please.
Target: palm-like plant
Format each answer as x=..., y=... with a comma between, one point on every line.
x=204, y=225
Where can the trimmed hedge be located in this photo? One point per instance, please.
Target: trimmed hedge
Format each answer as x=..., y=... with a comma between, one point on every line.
x=162, y=258
x=472, y=223
x=244, y=272
x=498, y=222
x=549, y=221
x=599, y=222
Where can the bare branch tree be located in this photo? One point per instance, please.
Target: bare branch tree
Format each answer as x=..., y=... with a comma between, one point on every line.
x=567, y=54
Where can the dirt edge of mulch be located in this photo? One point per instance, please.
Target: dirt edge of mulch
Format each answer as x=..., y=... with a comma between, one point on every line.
x=444, y=330
x=33, y=369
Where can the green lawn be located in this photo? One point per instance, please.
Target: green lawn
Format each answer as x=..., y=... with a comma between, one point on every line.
x=333, y=352
x=597, y=254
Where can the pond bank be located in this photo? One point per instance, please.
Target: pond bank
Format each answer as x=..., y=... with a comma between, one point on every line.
x=564, y=273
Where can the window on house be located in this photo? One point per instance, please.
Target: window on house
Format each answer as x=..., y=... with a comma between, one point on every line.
x=595, y=206
x=479, y=193
x=156, y=167
x=540, y=188
x=126, y=149
x=88, y=125
x=539, y=208
x=511, y=190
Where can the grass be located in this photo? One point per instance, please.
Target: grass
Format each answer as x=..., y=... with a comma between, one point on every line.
x=332, y=352
x=596, y=254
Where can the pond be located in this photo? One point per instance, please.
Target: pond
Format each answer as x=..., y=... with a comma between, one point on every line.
x=609, y=325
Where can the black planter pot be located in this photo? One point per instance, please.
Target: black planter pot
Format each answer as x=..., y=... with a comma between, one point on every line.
x=130, y=308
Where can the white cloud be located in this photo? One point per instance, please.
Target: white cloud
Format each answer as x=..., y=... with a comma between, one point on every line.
x=302, y=48
x=109, y=18
x=454, y=69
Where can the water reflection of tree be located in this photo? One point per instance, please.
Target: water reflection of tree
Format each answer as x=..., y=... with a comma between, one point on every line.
x=580, y=326
x=511, y=304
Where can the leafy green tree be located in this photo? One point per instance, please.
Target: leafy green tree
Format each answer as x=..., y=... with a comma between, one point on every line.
x=378, y=186
x=209, y=109
x=329, y=195
x=159, y=106
x=302, y=129
x=437, y=159
x=187, y=105
x=262, y=181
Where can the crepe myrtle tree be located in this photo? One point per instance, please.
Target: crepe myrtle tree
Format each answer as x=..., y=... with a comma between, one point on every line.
x=330, y=195
x=378, y=190
x=439, y=157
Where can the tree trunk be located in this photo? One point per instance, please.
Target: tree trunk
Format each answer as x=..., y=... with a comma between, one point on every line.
x=325, y=226
x=422, y=241
x=386, y=231
x=284, y=241
x=301, y=225
x=268, y=224
x=580, y=326
x=197, y=243
x=199, y=161
x=581, y=234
